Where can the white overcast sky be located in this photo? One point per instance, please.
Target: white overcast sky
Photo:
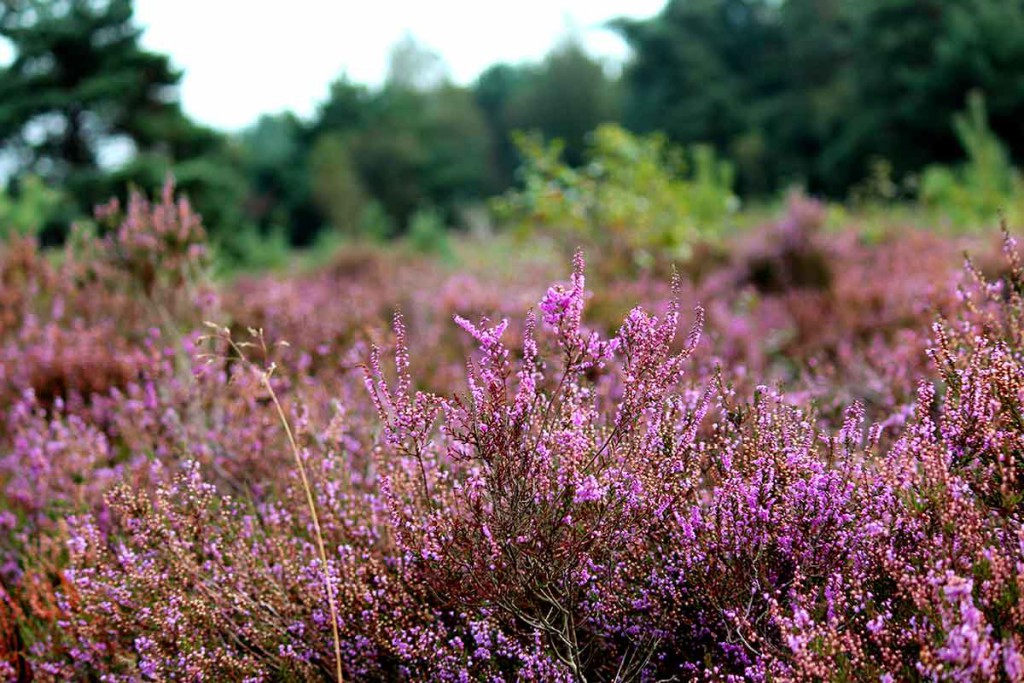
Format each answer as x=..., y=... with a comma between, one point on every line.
x=243, y=58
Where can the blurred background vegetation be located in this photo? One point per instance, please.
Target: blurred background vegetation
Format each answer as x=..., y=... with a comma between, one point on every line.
x=723, y=104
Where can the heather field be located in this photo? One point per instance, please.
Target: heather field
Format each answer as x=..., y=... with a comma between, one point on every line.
x=794, y=454
x=563, y=341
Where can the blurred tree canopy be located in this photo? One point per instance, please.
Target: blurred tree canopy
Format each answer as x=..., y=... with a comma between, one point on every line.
x=417, y=142
x=421, y=142
x=814, y=92
x=81, y=97
x=565, y=97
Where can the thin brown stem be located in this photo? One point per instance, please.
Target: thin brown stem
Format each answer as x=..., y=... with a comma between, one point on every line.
x=265, y=374
x=316, y=520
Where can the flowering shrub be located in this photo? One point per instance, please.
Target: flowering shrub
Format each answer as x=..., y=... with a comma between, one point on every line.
x=821, y=480
x=537, y=485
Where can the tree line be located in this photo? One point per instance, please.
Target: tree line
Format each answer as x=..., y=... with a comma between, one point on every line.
x=809, y=92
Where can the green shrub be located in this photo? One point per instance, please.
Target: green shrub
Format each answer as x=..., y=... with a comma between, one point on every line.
x=986, y=184
x=375, y=223
x=250, y=249
x=634, y=195
x=337, y=189
x=27, y=210
x=428, y=233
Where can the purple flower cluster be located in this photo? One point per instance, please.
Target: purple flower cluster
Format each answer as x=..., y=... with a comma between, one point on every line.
x=549, y=497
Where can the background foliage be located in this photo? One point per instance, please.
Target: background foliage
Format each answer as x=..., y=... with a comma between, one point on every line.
x=843, y=99
x=407, y=460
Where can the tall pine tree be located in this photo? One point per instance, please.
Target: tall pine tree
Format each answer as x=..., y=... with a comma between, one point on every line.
x=82, y=98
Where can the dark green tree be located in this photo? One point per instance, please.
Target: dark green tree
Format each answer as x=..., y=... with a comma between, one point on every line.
x=275, y=154
x=82, y=98
x=813, y=91
x=457, y=144
x=417, y=142
x=706, y=71
x=348, y=107
x=80, y=83
x=390, y=154
x=566, y=97
x=915, y=61
x=495, y=89
x=813, y=100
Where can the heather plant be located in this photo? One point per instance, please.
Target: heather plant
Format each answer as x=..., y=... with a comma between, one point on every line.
x=534, y=487
x=266, y=374
x=160, y=246
x=782, y=551
x=80, y=327
x=833, y=317
x=330, y=315
x=822, y=480
x=941, y=592
x=794, y=257
x=25, y=274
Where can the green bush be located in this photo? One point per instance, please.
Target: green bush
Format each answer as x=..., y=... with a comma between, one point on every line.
x=337, y=189
x=987, y=183
x=29, y=207
x=428, y=233
x=638, y=196
x=250, y=249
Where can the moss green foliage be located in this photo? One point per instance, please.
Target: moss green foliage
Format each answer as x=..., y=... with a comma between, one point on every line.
x=640, y=193
x=337, y=188
x=250, y=249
